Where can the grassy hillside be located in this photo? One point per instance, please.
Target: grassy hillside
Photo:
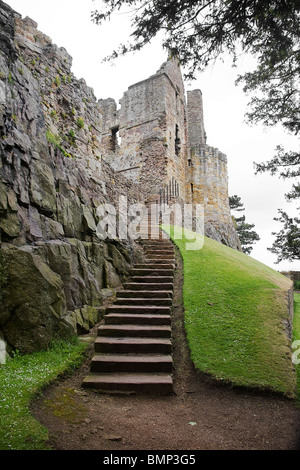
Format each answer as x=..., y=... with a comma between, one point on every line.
x=20, y=379
x=235, y=310
x=296, y=337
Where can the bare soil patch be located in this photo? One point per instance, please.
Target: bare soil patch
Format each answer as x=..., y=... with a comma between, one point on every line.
x=201, y=415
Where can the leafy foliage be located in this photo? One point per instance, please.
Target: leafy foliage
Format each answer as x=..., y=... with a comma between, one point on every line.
x=287, y=243
x=285, y=165
x=246, y=235
x=56, y=141
x=199, y=32
x=236, y=203
x=244, y=230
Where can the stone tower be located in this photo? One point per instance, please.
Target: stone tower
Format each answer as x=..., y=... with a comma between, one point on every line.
x=146, y=138
x=157, y=137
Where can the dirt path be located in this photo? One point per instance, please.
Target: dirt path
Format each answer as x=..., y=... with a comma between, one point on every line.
x=200, y=416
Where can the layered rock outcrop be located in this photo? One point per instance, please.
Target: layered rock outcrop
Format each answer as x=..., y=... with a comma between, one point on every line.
x=55, y=271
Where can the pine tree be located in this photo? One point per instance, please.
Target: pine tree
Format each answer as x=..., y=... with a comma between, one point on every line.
x=244, y=230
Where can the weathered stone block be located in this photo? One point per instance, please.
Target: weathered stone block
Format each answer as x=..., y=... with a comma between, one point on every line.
x=69, y=215
x=33, y=314
x=111, y=277
x=3, y=198
x=10, y=225
x=42, y=186
x=51, y=230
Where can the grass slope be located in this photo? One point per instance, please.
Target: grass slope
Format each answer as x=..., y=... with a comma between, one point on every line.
x=235, y=309
x=296, y=337
x=20, y=379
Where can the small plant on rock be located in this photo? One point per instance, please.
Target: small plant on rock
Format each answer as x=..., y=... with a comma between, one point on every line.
x=80, y=123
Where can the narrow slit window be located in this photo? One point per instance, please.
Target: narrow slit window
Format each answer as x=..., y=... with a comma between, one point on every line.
x=177, y=140
x=192, y=188
x=115, y=139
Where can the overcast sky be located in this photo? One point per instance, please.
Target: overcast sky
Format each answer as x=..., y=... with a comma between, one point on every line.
x=68, y=24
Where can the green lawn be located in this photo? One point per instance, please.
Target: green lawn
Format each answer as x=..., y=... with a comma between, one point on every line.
x=235, y=309
x=20, y=379
x=296, y=337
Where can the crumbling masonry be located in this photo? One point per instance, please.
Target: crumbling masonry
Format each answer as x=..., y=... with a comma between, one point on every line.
x=157, y=138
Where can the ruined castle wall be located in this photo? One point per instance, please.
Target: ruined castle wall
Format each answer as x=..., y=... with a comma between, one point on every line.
x=175, y=133
x=195, y=119
x=210, y=181
x=207, y=177
x=137, y=149
x=152, y=134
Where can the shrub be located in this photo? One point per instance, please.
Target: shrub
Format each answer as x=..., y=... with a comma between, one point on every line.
x=297, y=285
x=80, y=123
x=56, y=141
x=71, y=137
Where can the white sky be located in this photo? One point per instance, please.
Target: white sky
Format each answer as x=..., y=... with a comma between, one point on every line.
x=68, y=24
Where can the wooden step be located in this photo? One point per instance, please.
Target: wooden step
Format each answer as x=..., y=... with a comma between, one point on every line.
x=157, y=243
x=133, y=345
x=102, y=363
x=123, y=382
x=143, y=301
x=153, y=264
x=148, y=286
x=152, y=279
x=138, y=319
x=160, y=263
x=145, y=294
x=160, y=257
x=163, y=248
x=137, y=331
x=152, y=272
x=140, y=309
x=159, y=251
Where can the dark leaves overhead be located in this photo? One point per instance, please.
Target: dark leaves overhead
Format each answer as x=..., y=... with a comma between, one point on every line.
x=200, y=31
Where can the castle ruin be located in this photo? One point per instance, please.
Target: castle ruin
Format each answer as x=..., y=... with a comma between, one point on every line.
x=63, y=153
x=157, y=137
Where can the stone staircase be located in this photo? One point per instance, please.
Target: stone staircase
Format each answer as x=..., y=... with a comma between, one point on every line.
x=133, y=349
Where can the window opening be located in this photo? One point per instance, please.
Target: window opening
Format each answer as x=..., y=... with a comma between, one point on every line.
x=115, y=139
x=177, y=140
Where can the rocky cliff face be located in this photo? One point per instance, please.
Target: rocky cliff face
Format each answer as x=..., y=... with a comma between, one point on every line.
x=55, y=272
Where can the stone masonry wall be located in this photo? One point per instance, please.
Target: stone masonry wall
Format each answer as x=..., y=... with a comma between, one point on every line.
x=207, y=177
x=162, y=138
x=151, y=113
